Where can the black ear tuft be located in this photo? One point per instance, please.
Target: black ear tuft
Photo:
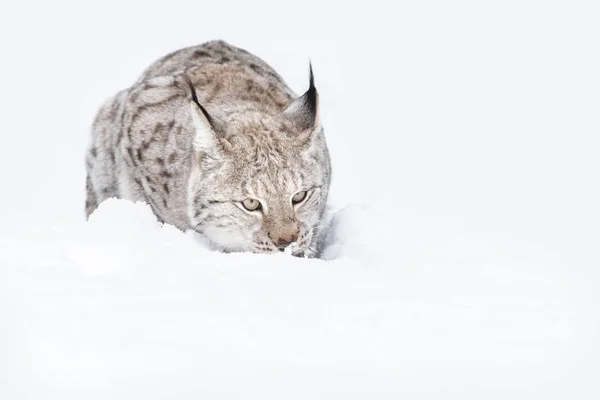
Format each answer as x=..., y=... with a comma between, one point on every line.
x=195, y=100
x=310, y=97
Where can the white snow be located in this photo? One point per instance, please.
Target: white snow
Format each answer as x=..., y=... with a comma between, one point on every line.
x=130, y=308
x=461, y=259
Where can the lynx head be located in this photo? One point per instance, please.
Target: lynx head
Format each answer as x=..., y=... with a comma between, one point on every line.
x=259, y=183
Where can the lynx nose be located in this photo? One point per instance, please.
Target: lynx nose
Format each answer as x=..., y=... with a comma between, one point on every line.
x=284, y=237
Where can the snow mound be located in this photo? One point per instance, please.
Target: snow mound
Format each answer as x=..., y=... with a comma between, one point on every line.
x=123, y=307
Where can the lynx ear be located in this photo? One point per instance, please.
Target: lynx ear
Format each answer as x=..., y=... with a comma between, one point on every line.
x=304, y=111
x=205, y=140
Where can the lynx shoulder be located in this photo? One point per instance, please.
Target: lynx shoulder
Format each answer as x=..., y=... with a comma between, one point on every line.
x=213, y=140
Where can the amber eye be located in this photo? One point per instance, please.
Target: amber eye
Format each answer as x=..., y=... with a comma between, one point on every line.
x=298, y=197
x=251, y=204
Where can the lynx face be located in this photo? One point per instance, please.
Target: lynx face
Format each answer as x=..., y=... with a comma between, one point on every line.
x=260, y=184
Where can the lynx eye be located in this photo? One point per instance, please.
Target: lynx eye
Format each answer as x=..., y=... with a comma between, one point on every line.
x=251, y=204
x=298, y=197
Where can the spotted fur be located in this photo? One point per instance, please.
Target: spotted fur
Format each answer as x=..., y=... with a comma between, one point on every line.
x=205, y=128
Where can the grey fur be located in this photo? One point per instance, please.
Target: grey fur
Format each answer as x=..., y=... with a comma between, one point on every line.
x=247, y=136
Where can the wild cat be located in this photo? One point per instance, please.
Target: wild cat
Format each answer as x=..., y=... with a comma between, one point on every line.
x=213, y=140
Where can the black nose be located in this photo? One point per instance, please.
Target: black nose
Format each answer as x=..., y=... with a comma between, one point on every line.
x=282, y=244
x=282, y=247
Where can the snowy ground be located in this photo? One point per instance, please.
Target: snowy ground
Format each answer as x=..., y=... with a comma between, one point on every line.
x=462, y=255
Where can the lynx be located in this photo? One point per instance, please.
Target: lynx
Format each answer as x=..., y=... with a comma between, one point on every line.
x=213, y=140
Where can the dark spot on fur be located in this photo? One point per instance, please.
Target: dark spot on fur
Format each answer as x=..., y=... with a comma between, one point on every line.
x=139, y=154
x=165, y=202
x=157, y=127
x=172, y=158
x=145, y=145
x=93, y=152
x=165, y=173
x=112, y=155
x=224, y=60
x=201, y=53
x=119, y=136
x=170, y=126
x=255, y=68
x=166, y=188
x=160, y=160
x=216, y=89
x=219, y=52
x=136, y=180
x=149, y=179
x=130, y=152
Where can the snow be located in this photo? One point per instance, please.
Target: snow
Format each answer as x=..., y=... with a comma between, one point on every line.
x=130, y=307
x=461, y=255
